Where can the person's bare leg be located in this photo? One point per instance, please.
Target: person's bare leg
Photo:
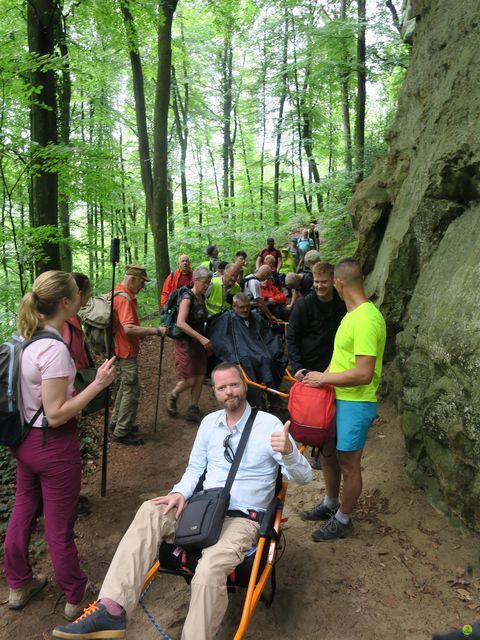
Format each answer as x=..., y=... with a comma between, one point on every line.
x=350, y=465
x=331, y=470
x=196, y=389
x=183, y=385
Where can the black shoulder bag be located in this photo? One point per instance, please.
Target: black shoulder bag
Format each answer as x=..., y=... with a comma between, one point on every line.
x=202, y=518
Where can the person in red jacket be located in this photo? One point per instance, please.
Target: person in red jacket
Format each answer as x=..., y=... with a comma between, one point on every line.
x=274, y=299
x=178, y=278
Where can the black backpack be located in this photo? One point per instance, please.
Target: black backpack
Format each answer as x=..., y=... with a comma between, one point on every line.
x=168, y=317
x=13, y=429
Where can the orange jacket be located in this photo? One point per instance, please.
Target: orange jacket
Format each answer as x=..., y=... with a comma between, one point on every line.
x=171, y=283
x=271, y=293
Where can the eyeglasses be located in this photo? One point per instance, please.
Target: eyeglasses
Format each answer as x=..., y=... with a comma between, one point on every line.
x=229, y=452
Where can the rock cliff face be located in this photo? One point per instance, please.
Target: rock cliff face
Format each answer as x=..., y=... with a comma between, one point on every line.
x=418, y=222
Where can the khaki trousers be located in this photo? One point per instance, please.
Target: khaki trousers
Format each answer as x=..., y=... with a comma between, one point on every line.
x=128, y=393
x=138, y=550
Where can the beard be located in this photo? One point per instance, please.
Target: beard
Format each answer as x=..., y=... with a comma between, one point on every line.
x=232, y=404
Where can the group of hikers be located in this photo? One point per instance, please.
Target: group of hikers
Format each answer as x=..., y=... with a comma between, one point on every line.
x=292, y=303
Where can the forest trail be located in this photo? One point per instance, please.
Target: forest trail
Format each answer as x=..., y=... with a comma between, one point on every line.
x=404, y=573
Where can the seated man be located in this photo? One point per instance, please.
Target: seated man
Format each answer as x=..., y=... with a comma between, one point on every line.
x=269, y=445
x=274, y=299
x=242, y=336
x=183, y=276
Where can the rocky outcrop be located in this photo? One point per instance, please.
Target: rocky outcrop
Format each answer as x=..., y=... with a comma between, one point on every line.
x=418, y=223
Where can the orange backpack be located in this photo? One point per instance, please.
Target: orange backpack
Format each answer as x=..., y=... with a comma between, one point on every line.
x=312, y=414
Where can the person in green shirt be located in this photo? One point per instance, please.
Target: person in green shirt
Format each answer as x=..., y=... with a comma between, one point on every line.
x=354, y=372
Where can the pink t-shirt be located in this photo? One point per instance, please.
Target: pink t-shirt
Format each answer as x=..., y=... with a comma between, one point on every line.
x=43, y=360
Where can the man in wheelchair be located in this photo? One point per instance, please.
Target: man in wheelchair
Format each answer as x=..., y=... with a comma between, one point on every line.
x=268, y=446
x=242, y=335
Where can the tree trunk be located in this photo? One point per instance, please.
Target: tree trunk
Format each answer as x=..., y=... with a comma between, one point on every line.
x=312, y=165
x=64, y=98
x=247, y=169
x=296, y=102
x=283, y=95
x=181, y=127
x=361, y=93
x=44, y=193
x=227, y=114
x=140, y=108
x=160, y=165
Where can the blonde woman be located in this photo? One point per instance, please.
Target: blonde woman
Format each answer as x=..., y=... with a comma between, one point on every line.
x=48, y=460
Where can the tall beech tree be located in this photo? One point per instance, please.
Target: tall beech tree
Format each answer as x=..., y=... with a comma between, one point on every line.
x=361, y=92
x=160, y=140
x=44, y=177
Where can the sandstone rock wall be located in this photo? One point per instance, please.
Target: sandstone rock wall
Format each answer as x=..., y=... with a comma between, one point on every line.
x=418, y=222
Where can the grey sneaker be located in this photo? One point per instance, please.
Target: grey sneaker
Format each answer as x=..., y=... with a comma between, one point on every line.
x=18, y=598
x=320, y=512
x=171, y=404
x=72, y=611
x=332, y=530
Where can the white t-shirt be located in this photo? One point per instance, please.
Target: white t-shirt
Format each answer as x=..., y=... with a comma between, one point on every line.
x=43, y=360
x=252, y=288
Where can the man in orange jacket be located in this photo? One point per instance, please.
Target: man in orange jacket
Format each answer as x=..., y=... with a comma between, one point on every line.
x=178, y=278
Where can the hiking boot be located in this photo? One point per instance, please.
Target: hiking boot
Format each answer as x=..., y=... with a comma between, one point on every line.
x=320, y=512
x=83, y=508
x=332, y=530
x=172, y=404
x=18, y=598
x=467, y=632
x=129, y=440
x=315, y=463
x=72, y=611
x=95, y=622
x=193, y=413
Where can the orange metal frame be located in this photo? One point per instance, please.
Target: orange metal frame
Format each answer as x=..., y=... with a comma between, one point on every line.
x=255, y=588
x=286, y=376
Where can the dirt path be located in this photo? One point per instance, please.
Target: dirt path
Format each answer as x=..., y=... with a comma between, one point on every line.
x=405, y=573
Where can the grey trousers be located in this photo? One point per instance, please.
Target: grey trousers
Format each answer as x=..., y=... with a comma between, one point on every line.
x=128, y=394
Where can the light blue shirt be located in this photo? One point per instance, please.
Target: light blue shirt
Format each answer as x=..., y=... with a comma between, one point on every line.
x=254, y=484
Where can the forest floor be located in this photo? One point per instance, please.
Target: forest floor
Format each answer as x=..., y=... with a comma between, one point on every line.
x=405, y=572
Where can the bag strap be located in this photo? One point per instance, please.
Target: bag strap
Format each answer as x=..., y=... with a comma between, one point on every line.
x=240, y=449
x=40, y=335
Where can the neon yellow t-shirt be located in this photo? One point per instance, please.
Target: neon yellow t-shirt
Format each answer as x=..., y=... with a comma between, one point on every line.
x=362, y=332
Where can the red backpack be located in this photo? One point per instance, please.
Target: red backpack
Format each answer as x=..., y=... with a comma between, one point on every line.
x=312, y=414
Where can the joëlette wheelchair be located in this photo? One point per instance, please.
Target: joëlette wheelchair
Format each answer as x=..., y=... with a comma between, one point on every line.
x=253, y=574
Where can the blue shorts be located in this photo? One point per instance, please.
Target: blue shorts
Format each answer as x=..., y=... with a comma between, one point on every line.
x=353, y=422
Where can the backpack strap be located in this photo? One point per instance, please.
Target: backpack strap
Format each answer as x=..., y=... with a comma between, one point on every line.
x=43, y=334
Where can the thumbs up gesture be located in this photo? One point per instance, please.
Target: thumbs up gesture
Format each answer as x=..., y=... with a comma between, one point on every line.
x=280, y=441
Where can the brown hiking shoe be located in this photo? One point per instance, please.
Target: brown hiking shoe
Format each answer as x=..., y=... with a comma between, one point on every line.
x=193, y=413
x=18, y=598
x=171, y=404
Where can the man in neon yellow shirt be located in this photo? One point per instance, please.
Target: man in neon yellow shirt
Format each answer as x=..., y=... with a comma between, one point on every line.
x=354, y=371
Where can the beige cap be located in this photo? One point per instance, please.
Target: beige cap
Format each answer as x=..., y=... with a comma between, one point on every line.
x=137, y=270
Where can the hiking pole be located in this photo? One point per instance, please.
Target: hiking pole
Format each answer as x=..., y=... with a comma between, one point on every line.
x=114, y=258
x=162, y=341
